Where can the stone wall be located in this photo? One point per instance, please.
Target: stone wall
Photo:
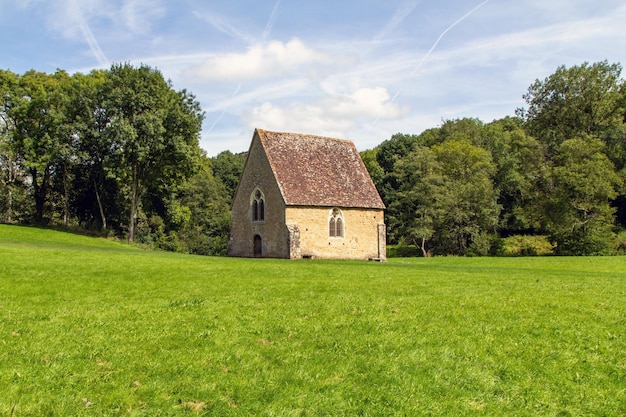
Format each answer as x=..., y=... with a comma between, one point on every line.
x=273, y=232
x=361, y=239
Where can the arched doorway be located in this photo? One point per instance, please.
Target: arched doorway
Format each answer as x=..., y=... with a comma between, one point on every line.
x=258, y=246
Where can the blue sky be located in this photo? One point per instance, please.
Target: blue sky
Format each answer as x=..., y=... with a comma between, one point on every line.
x=354, y=69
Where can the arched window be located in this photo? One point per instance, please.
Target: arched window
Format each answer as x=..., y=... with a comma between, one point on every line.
x=335, y=223
x=258, y=206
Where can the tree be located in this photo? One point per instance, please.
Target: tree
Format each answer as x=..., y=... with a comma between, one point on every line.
x=387, y=156
x=208, y=202
x=577, y=102
x=415, y=207
x=97, y=192
x=227, y=168
x=376, y=172
x=9, y=158
x=66, y=140
x=445, y=202
x=467, y=208
x=577, y=208
x=519, y=162
x=155, y=131
x=390, y=151
x=37, y=111
x=585, y=102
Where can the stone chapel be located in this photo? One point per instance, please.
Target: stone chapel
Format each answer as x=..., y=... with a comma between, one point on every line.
x=306, y=196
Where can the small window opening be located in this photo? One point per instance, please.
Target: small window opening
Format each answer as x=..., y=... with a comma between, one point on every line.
x=335, y=223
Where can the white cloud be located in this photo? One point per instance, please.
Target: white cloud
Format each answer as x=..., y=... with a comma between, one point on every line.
x=262, y=93
x=77, y=20
x=364, y=102
x=331, y=115
x=67, y=16
x=260, y=61
x=138, y=15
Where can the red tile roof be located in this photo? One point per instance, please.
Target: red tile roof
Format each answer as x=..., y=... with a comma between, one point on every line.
x=318, y=171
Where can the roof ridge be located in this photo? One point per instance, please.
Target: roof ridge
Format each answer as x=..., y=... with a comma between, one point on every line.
x=303, y=135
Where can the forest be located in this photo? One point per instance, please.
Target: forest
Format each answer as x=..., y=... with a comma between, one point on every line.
x=116, y=153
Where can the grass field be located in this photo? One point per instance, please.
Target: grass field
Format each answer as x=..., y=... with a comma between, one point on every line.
x=90, y=327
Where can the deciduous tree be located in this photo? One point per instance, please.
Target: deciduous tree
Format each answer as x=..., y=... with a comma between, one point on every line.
x=577, y=207
x=155, y=130
x=577, y=102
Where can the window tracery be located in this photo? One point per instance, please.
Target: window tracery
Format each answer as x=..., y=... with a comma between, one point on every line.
x=335, y=223
x=258, y=206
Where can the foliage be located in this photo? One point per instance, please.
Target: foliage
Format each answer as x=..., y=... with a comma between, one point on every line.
x=206, y=231
x=578, y=114
x=402, y=251
x=444, y=195
x=525, y=245
x=155, y=130
x=413, y=212
x=519, y=162
x=376, y=172
x=578, y=211
x=558, y=169
x=96, y=327
x=113, y=150
x=468, y=202
x=117, y=149
x=13, y=189
x=579, y=101
x=227, y=167
x=620, y=243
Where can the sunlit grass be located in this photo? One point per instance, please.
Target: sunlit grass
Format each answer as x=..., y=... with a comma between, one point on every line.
x=93, y=327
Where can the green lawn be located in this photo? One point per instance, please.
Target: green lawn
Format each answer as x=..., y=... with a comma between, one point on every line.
x=90, y=327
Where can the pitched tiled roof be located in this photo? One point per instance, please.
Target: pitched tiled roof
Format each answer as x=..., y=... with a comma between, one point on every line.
x=318, y=171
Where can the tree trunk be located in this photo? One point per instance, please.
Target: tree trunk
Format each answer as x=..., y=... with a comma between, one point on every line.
x=102, y=216
x=40, y=191
x=132, y=215
x=66, y=197
x=422, y=246
x=134, y=204
x=425, y=253
x=10, y=181
x=9, y=203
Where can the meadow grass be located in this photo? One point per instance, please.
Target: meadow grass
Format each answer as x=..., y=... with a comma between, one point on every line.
x=91, y=327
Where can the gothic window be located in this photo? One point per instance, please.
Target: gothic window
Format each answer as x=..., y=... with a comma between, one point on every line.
x=258, y=206
x=335, y=223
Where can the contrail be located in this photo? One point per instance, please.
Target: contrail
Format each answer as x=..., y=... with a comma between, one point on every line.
x=270, y=22
x=225, y=27
x=75, y=11
x=223, y=110
x=405, y=10
x=93, y=43
x=432, y=48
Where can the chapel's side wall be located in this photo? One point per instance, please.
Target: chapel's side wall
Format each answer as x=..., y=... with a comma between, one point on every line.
x=273, y=232
x=362, y=233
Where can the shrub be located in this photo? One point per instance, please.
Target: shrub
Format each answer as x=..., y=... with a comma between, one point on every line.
x=403, y=251
x=525, y=245
x=620, y=243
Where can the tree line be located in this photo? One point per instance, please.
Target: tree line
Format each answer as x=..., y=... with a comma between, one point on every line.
x=556, y=169
x=116, y=152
